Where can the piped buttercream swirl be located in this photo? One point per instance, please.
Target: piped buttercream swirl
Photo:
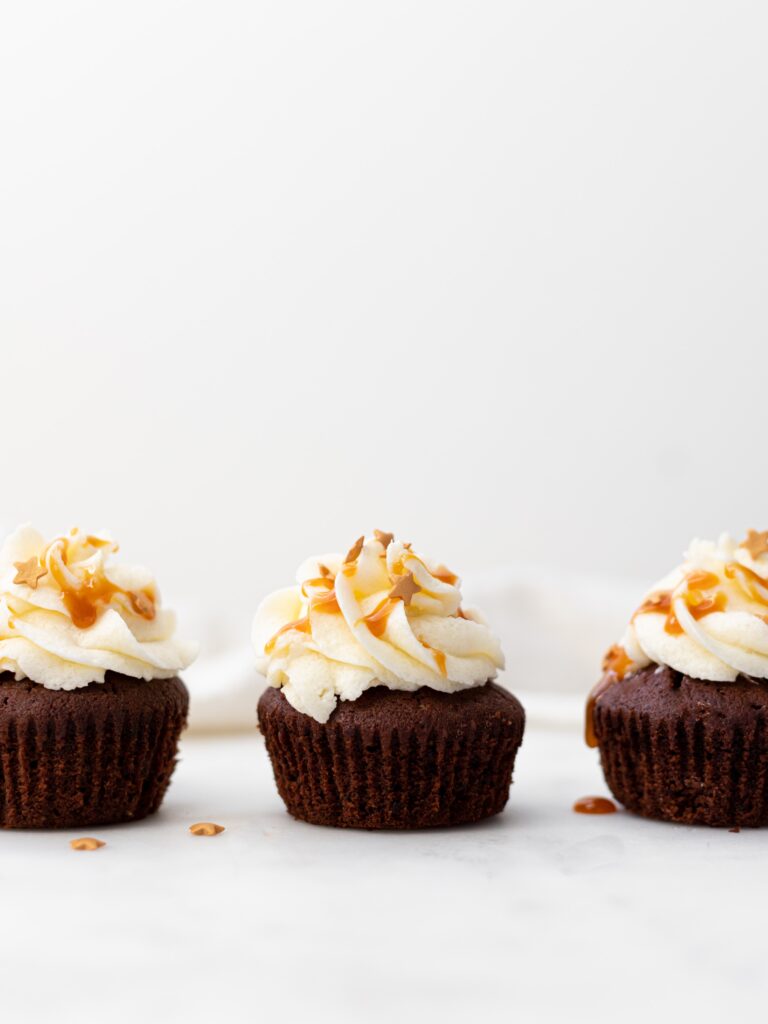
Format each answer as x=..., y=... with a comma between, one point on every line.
x=381, y=615
x=69, y=613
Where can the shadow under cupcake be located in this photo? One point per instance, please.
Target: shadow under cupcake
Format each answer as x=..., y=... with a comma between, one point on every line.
x=681, y=714
x=381, y=712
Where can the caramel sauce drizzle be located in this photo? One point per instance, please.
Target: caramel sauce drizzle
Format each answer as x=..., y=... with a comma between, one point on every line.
x=699, y=607
x=700, y=579
x=438, y=656
x=616, y=660
x=320, y=602
x=325, y=603
x=595, y=805
x=752, y=583
x=300, y=625
x=375, y=621
x=85, y=597
x=321, y=582
x=655, y=603
x=98, y=542
x=442, y=574
x=698, y=604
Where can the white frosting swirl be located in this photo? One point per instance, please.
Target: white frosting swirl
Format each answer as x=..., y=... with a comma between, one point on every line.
x=708, y=619
x=384, y=617
x=79, y=614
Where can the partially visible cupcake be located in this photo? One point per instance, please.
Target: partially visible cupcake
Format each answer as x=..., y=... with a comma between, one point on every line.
x=381, y=710
x=91, y=706
x=681, y=713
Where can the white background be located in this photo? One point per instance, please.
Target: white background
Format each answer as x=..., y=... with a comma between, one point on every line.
x=491, y=275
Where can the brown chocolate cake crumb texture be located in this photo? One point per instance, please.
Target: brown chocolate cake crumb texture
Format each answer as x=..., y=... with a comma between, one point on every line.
x=100, y=754
x=686, y=750
x=393, y=760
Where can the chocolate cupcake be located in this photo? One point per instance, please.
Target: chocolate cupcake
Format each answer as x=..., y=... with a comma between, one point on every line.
x=381, y=711
x=681, y=713
x=91, y=707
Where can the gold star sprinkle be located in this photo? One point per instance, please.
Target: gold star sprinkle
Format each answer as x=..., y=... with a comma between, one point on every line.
x=385, y=539
x=86, y=843
x=756, y=543
x=205, y=828
x=405, y=588
x=29, y=572
x=354, y=551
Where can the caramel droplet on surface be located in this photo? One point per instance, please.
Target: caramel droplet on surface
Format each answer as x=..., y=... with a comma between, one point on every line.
x=86, y=843
x=595, y=805
x=205, y=828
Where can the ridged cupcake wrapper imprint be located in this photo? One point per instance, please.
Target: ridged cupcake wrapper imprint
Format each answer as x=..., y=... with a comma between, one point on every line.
x=94, y=756
x=376, y=775
x=706, y=771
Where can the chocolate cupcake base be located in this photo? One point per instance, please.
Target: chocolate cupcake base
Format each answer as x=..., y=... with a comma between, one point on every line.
x=686, y=750
x=396, y=760
x=100, y=754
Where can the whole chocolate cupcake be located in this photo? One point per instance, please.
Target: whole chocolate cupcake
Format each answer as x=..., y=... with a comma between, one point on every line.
x=383, y=712
x=681, y=713
x=90, y=704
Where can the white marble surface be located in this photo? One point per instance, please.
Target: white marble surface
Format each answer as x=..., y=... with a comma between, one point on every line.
x=538, y=915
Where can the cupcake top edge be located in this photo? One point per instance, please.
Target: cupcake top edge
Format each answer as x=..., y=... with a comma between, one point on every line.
x=707, y=619
x=70, y=612
x=380, y=615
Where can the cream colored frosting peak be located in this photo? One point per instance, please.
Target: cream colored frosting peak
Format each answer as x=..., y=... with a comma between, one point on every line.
x=69, y=613
x=381, y=615
x=708, y=619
